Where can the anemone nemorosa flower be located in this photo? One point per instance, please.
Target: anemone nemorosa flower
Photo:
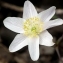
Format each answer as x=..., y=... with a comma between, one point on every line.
x=32, y=29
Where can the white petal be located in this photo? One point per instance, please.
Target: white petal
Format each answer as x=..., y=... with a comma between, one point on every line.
x=34, y=48
x=19, y=42
x=53, y=23
x=47, y=14
x=46, y=39
x=29, y=10
x=14, y=23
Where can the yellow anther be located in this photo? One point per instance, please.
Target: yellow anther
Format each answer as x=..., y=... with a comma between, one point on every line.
x=33, y=26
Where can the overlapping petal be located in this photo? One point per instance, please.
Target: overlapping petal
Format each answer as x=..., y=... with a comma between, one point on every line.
x=29, y=10
x=46, y=39
x=14, y=24
x=53, y=23
x=19, y=42
x=47, y=14
x=33, y=47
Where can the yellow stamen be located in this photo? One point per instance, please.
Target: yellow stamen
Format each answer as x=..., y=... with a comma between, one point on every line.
x=33, y=27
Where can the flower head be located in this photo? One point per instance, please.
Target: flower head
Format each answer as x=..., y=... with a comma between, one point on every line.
x=32, y=29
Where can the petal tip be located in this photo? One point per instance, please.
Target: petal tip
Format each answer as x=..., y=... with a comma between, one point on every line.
x=61, y=20
x=27, y=2
x=53, y=7
x=5, y=21
x=51, y=44
x=35, y=59
x=10, y=50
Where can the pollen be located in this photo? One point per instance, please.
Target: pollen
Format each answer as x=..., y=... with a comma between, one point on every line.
x=33, y=27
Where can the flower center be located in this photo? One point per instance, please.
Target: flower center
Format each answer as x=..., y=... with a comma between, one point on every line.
x=33, y=26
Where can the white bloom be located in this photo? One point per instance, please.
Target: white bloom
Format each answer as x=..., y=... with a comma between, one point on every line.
x=32, y=29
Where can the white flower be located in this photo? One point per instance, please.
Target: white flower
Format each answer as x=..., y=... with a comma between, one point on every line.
x=32, y=29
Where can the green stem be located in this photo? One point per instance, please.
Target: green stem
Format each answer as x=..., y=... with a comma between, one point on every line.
x=59, y=54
